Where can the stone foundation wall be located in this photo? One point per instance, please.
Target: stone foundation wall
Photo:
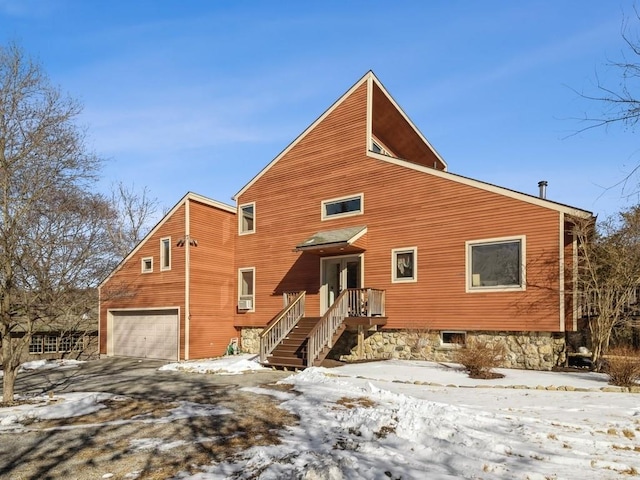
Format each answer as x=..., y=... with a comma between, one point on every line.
x=529, y=350
x=250, y=340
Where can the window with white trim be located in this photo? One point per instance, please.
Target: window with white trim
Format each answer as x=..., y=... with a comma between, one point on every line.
x=404, y=262
x=165, y=253
x=246, y=288
x=147, y=265
x=496, y=264
x=453, y=339
x=343, y=206
x=50, y=344
x=36, y=344
x=247, y=218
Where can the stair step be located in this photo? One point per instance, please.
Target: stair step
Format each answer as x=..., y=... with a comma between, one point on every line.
x=285, y=361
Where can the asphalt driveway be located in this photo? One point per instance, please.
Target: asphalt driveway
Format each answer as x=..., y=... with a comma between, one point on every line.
x=136, y=436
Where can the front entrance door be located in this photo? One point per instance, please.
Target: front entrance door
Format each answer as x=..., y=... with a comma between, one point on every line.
x=338, y=274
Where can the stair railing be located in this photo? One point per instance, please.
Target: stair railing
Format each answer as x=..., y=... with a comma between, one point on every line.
x=280, y=326
x=352, y=302
x=322, y=334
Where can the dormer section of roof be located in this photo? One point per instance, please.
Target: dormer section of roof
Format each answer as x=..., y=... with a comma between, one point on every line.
x=393, y=134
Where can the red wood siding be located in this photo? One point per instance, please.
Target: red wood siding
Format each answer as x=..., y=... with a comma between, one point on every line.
x=129, y=288
x=403, y=208
x=212, y=280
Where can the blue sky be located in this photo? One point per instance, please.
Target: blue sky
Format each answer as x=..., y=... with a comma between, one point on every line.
x=200, y=95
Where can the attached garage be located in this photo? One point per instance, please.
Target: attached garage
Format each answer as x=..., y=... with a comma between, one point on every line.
x=145, y=333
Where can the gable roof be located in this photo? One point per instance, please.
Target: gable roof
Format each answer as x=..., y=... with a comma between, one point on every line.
x=375, y=86
x=370, y=79
x=187, y=197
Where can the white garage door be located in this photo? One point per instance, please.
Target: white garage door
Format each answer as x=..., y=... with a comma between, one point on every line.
x=146, y=334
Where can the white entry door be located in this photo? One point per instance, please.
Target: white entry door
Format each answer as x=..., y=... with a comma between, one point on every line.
x=338, y=274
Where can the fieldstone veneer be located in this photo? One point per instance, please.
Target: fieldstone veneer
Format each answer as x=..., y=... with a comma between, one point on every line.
x=534, y=351
x=250, y=340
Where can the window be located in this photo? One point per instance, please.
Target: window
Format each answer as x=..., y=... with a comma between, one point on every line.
x=453, y=339
x=147, y=265
x=36, y=344
x=165, y=254
x=496, y=264
x=66, y=343
x=378, y=147
x=247, y=218
x=50, y=344
x=246, y=288
x=404, y=264
x=342, y=207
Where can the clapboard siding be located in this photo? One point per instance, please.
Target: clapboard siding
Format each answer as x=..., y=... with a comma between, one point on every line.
x=212, y=280
x=288, y=208
x=129, y=288
x=403, y=207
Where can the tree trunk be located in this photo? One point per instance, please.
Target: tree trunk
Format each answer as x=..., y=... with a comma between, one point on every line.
x=8, y=383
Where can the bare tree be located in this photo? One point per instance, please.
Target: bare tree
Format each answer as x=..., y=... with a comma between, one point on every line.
x=609, y=274
x=136, y=212
x=53, y=246
x=620, y=102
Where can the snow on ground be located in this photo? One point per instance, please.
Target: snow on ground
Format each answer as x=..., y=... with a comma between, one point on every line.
x=371, y=421
x=406, y=419
x=48, y=364
x=228, y=365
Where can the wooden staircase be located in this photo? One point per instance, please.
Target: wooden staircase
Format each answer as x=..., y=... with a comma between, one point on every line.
x=292, y=340
x=292, y=351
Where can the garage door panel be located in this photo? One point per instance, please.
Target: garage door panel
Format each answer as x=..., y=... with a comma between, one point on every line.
x=146, y=334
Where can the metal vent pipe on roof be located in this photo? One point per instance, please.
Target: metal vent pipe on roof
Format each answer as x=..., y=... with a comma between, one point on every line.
x=542, y=184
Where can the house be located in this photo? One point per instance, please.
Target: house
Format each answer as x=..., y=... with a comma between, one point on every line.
x=173, y=296
x=357, y=242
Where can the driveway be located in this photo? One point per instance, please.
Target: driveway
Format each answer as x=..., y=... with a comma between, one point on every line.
x=139, y=434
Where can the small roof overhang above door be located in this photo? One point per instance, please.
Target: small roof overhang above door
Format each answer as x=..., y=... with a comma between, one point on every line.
x=335, y=242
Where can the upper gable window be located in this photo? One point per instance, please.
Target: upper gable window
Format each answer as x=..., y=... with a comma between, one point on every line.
x=147, y=265
x=378, y=147
x=165, y=254
x=342, y=207
x=247, y=218
x=496, y=264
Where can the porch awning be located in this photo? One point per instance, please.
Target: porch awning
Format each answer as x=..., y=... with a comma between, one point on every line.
x=330, y=241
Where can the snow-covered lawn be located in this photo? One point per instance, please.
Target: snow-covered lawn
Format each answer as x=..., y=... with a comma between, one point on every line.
x=405, y=419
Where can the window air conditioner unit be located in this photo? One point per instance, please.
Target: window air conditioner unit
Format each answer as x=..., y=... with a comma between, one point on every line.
x=245, y=304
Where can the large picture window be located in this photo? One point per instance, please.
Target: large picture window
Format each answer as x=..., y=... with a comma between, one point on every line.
x=342, y=207
x=496, y=264
x=247, y=218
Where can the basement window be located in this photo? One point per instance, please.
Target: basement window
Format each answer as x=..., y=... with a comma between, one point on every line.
x=453, y=339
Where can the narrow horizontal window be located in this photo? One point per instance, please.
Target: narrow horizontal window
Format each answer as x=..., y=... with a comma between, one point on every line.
x=450, y=339
x=340, y=207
